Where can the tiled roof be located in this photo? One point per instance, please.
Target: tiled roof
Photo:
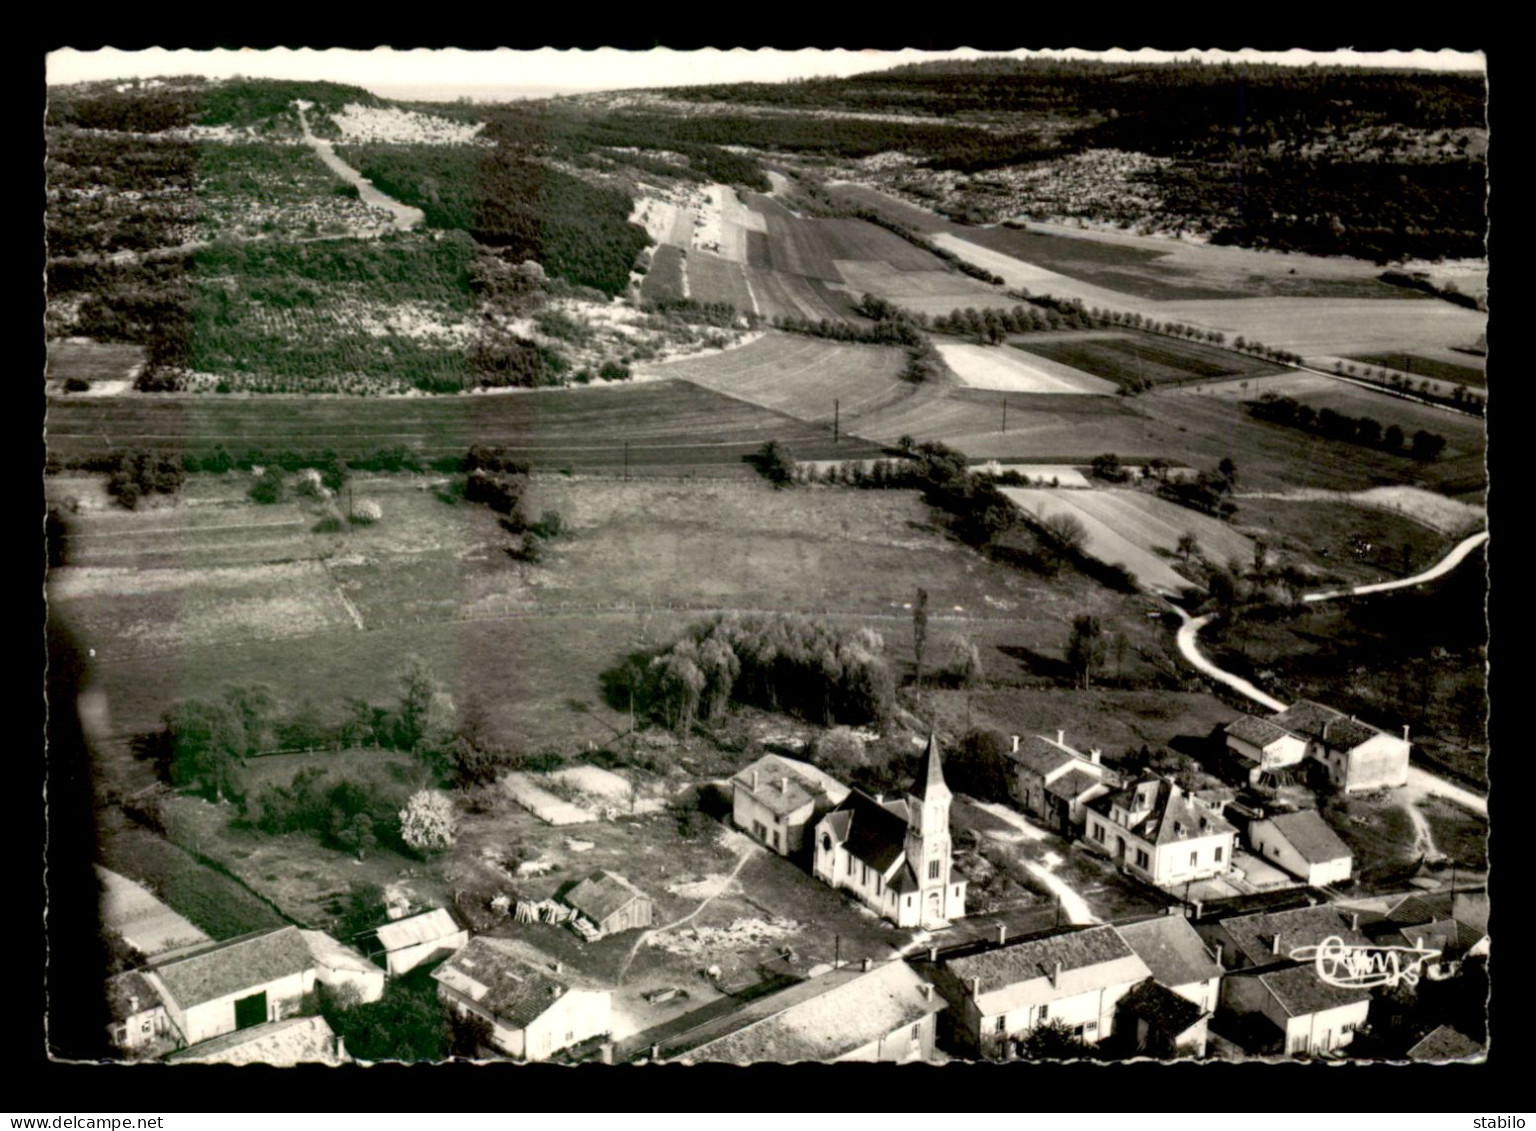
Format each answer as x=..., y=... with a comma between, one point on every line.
x=430, y=926
x=1300, y=991
x=245, y=963
x=1172, y=950
x=1309, y=719
x=1044, y=755
x=1173, y=815
x=871, y=831
x=785, y=784
x=1259, y=732
x=298, y=1040
x=1073, y=784
x=1161, y=1008
x=818, y=1020
x=1029, y=959
x=1450, y=938
x=601, y=894
x=1310, y=835
x=504, y=985
x=129, y=994
x=1254, y=935
x=333, y=955
x=1445, y=1043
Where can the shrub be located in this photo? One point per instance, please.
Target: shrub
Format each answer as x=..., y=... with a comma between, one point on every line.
x=267, y=489
x=428, y=822
x=77, y=385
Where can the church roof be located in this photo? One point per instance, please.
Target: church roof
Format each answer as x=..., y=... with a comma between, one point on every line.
x=930, y=774
x=870, y=831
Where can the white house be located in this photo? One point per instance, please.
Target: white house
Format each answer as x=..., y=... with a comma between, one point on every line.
x=895, y=857
x=139, y=1024
x=1355, y=755
x=1178, y=958
x=1304, y=845
x=1312, y=1015
x=341, y=967
x=1156, y=831
x=532, y=1009
x=216, y=988
x=404, y=944
x=1054, y=781
x=1003, y=992
x=779, y=799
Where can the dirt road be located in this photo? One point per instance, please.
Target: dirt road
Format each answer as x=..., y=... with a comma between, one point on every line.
x=1439, y=569
x=406, y=217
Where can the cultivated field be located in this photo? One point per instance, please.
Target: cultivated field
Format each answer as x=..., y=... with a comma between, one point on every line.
x=782, y=295
x=714, y=279
x=671, y=427
x=92, y=361
x=665, y=277
x=984, y=367
x=1337, y=327
x=1461, y=373
x=1132, y=358
x=801, y=376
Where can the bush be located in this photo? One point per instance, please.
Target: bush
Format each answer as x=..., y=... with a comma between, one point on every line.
x=428, y=822
x=267, y=489
x=77, y=385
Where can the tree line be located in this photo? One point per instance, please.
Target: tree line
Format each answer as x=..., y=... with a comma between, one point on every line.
x=1424, y=444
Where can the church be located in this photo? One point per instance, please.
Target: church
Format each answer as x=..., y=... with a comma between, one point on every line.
x=895, y=856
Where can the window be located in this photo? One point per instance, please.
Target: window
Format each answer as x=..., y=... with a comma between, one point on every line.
x=1142, y=859
x=1002, y=1024
x=759, y=830
x=1347, y=1027
x=144, y=1028
x=1078, y=1032
x=933, y=869
x=878, y=884
x=850, y=865
x=826, y=843
x=1098, y=832
x=570, y=1035
x=1218, y=854
x=1092, y=1027
x=864, y=876
x=1044, y=1015
x=1194, y=858
x=775, y=840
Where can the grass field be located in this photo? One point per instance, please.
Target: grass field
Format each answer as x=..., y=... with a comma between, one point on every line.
x=1004, y=370
x=714, y=279
x=927, y=292
x=861, y=240
x=1433, y=368
x=800, y=376
x=1130, y=358
x=93, y=361
x=671, y=427
x=1329, y=536
x=664, y=279
x=793, y=245
x=781, y=295
x=1458, y=832
x=1136, y=271
x=1334, y=327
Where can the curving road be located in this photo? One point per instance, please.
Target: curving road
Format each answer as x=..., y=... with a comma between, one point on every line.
x=406, y=216
x=1439, y=569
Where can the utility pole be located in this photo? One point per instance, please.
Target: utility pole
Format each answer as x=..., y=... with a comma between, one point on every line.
x=626, y=461
x=837, y=952
x=1005, y=414
x=836, y=418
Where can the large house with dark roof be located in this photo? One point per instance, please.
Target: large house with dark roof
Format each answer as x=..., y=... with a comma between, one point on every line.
x=1156, y=831
x=1304, y=845
x=1177, y=956
x=1264, y=938
x=895, y=856
x=1000, y=993
x=779, y=800
x=1054, y=781
x=531, y=1009
x=1355, y=755
x=1308, y=1014
x=216, y=988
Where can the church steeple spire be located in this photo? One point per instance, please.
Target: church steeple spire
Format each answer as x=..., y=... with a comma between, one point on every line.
x=930, y=774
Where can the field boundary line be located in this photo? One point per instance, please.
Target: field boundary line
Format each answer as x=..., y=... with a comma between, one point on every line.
x=357, y=617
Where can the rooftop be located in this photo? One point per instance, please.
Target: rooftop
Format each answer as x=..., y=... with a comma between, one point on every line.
x=297, y=1040
x=1255, y=935
x=429, y=926
x=1161, y=813
x=1310, y=835
x=872, y=831
x=1161, y=1008
x=502, y=983
x=1315, y=721
x=1031, y=959
x=601, y=894
x=333, y=955
x=786, y=784
x=1445, y=1043
x=220, y=969
x=1172, y=950
x=1073, y=784
x=1259, y=732
x=1300, y=991
x=1044, y=755
x=129, y=994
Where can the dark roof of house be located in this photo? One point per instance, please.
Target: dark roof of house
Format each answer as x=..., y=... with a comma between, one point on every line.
x=296, y=1040
x=1029, y=959
x=1450, y=938
x=130, y=994
x=1445, y=1043
x=225, y=968
x=1161, y=1008
x=1300, y=991
x=1422, y=907
x=871, y=831
x=1310, y=835
x=1173, y=816
x=503, y=984
x=930, y=772
x=785, y=784
x=1311, y=720
x=1172, y=950
x=1073, y=784
x=602, y=894
x=820, y=1019
x=1043, y=755
x=1254, y=935
x=1259, y=732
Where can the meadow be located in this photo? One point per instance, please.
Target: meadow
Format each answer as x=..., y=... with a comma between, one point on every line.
x=1135, y=359
x=664, y=278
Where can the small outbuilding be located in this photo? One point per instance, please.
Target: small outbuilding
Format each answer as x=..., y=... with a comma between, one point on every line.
x=405, y=944
x=139, y=1023
x=296, y=1040
x=340, y=967
x=1304, y=845
x=611, y=903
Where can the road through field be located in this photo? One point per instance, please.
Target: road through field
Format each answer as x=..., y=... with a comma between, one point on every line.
x=406, y=217
x=1439, y=569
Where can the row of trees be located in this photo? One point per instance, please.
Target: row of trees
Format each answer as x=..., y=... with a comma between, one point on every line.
x=1424, y=445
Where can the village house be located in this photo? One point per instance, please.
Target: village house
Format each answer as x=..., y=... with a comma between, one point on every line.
x=404, y=944
x=1155, y=1021
x=1265, y=938
x=779, y=800
x=1054, y=781
x=866, y=1012
x=1355, y=755
x=1155, y=831
x=1452, y=925
x=216, y=988
x=1445, y=1043
x=297, y=1040
x=999, y=993
x=529, y=1010
x=1177, y=956
x=139, y=1024
x=1304, y=845
x=895, y=857
x=1308, y=1014
x=611, y=904
x=342, y=969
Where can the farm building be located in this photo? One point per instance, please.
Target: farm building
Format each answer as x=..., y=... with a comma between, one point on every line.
x=532, y=1010
x=1445, y=1043
x=777, y=799
x=1177, y=957
x=1054, y=781
x=298, y=1040
x=405, y=944
x=139, y=1022
x=339, y=966
x=1155, y=1021
x=1154, y=830
x=611, y=903
x=865, y=1013
x=1355, y=755
x=895, y=857
x=217, y=988
x=1304, y=845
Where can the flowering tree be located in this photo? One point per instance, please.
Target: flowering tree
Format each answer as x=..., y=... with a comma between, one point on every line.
x=427, y=823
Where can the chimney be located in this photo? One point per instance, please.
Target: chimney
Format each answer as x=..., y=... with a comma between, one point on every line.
x=1002, y=933
x=1405, y=732
x=655, y=1052
x=1218, y=955
x=783, y=785
x=879, y=798
x=341, y=1048
x=975, y=987
x=1015, y=743
x=1094, y=755
x=754, y=781
x=605, y=1052
x=1354, y=922
x=559, y=967
x=1275, y=946
x=1061, y=738
x=133, y=1004
x=1199, y=907
x=927, y=991
x=1056, y=977
x=933, y=954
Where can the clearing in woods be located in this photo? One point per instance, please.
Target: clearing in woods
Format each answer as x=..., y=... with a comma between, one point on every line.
x=664, y=278
x=92, y=361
